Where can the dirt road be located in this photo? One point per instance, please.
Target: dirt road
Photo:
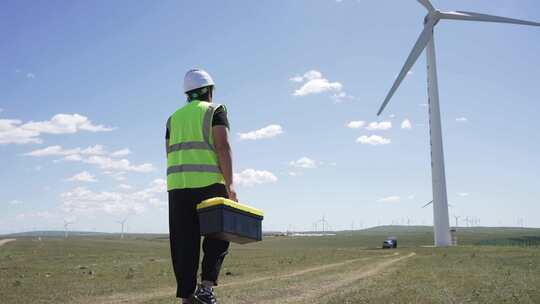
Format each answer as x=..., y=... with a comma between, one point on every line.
x=297, y=287
x=5, y=241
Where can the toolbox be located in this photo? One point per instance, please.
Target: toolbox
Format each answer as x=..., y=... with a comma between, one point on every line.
x=228, y=220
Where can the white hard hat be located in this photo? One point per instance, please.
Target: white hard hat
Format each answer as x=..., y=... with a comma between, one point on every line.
x=197, y=78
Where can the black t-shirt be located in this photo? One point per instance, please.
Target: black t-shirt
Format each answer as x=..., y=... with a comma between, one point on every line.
x=219, y=119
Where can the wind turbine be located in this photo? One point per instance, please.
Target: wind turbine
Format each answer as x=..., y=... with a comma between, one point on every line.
x=67, y=222
x=457, y=219
x=122, y=222
x=426, y=41
x=324, y=223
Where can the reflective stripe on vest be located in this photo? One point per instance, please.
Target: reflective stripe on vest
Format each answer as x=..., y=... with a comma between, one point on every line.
x=193, y=168
x=191, y=157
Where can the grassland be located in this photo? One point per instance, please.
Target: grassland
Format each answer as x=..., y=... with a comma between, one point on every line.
x=490, y=266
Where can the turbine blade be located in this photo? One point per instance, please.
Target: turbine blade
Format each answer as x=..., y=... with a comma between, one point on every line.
x=419, y=46
x=470, y=16
x=427, y=5
x=430, y=202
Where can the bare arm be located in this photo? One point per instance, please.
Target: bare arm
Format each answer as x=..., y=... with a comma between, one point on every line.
x=224, y=153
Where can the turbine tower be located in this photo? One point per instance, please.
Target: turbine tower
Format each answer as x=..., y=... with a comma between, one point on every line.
x=456, y=217
x=122, y=222
x=426, y=41
x=66, y=226
x=324, y=223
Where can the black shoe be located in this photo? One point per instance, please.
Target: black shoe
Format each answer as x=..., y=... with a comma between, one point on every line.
x=204, y=295
x=190, y=300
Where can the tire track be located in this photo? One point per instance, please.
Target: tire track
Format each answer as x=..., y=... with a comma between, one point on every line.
x=5, y=241
x=166, y=292
x=326, y=289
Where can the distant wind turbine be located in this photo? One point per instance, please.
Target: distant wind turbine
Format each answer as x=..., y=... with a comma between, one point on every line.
x=324, y=223
x=426, y=41
x=122, y=223
x=457, y=219
x=67, y=222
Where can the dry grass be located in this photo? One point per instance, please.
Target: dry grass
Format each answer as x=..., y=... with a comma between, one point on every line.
x=341, y=269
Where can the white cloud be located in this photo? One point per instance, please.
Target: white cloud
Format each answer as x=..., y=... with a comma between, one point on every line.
x=83, y=200
x=425, y=105
x=45, y=214
x=392, y=115
x=122, y=152
x=356, y=124
x=461, y=119
x=296, y=79
x=373, y=140
x=463, y=194
x=84, y=176
x=406, y=124
x=157, y=202
x=125, y=186
x=410, y=196
x=315, y=84
x=13, y=131
x=65, y=124
x=59, y=151
x=251, y=177
x=342, y=97
x=390, y=199
x=381, y=126
x=94, y=150
x=30, y=75
x=266, y=132
x=73, y=157
x=157, y=186
x=303, y=162
x=108, y=163
x=94, y=155
x=15, y=202
x=119, y=176
x=52, y=151
x=36, y=215
x=310, y=75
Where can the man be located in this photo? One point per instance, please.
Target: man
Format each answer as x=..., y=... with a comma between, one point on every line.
x=199, y=167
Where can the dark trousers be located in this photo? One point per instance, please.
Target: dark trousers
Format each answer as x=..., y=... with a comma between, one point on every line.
x=186, y=240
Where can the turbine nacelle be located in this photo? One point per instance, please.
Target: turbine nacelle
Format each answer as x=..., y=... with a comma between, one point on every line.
x=432, y=18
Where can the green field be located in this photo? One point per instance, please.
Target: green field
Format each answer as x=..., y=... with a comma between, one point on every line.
x=491, y=265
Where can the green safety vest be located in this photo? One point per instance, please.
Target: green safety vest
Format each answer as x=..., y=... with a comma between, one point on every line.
x=192, y=161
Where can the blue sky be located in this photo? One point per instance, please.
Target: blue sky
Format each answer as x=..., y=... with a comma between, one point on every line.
x=299, y=72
